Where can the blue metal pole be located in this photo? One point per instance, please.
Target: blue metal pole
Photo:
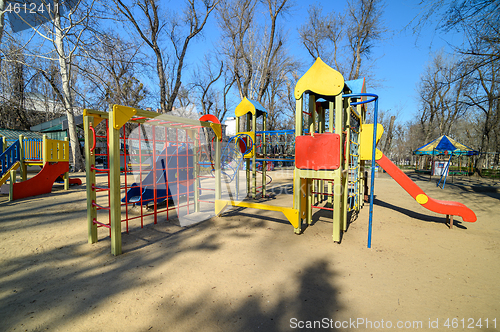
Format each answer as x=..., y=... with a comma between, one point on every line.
x=372, y=180
x=374, y=144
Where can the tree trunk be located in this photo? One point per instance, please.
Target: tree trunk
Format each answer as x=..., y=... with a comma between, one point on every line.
x=68, y=103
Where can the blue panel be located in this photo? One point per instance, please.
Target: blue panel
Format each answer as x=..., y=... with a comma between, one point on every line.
x=356, y=86
x=445, y=144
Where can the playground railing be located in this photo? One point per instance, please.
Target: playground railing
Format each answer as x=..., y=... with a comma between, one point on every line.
x=54, y=150
x=10, y=157
x=32, y=149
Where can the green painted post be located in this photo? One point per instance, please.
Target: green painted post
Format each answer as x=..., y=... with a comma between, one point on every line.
x=312, y=130
x=297, y=190
x=45, y=150
x=247, y=161
x=196, y=169
x=12, y=181
x=331, y=117
x=66, y=175
x=114, y=182
x=264, y=163
x=254, y=166
x=237, y=179
x=347, y=154
x=23, y=168
x=360, y=172
x=338, y=178
x=321, y=130
x=218, y=174
x=90, y=174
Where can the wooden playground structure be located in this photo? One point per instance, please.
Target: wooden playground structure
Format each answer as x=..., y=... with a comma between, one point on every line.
x=166, y=167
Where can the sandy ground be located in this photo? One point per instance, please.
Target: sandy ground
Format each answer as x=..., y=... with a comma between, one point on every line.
x=248, y=271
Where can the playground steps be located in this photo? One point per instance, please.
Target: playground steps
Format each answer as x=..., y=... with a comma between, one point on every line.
x=6, y=175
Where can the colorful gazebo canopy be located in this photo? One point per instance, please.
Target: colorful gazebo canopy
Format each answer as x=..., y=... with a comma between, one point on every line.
x=445, y=145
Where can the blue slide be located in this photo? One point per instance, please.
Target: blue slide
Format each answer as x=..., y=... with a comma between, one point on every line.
x=176, y=178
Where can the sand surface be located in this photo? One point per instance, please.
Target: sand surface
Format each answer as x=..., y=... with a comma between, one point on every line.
x=248, y=271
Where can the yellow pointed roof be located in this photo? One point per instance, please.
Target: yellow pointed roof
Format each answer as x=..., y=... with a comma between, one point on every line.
x=247, y=105
x=320, y=79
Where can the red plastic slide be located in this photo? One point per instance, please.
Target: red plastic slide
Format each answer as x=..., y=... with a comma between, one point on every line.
x=443, y=207
x=42, y=182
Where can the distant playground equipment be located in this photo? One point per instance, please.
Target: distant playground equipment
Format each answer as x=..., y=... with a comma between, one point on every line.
x=440, y=153
x=176, y=161
x=51, y=155
x=332, y=144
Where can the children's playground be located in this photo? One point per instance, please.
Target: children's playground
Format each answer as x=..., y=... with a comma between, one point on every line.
x=177, y=227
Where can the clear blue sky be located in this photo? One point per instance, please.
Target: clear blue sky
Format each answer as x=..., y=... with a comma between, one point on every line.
x=398, y=61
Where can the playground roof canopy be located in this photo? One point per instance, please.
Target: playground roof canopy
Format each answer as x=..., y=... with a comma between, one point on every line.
x=445, y=145
x=356, y=86
x=252, y=106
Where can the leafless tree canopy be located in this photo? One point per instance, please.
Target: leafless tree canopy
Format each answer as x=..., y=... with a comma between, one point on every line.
x=147, y=53
x=345, y=38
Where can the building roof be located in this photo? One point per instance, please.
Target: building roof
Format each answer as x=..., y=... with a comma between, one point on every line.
x=11, y=134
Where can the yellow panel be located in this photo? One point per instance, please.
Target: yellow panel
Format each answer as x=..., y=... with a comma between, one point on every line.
x=291, y=214
x=56, y=150
x=216, y=127
x=244, y=107
x=366, y=141
x=121, y=115
x=252, y=136
x=97, y=117
x=320, y=79
x=220, y=206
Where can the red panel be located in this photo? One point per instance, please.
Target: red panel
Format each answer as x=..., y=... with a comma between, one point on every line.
x=318, y=152
x=42, y=182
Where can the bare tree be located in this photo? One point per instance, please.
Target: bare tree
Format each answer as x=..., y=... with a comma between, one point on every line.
x=252, y=51
x=322, y=34
x=151, y=26
x=485, y=97
x=64, y=35
x=441, y=92
x=206, y=75
x=3, y=3
x=344, y=39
